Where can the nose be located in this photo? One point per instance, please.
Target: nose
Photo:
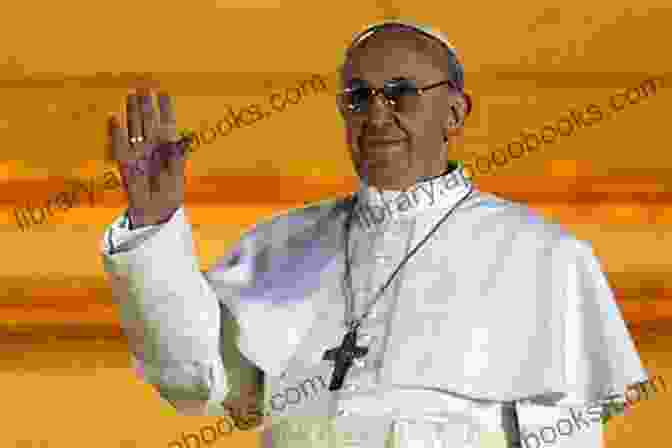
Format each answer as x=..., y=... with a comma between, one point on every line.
x=380, y=112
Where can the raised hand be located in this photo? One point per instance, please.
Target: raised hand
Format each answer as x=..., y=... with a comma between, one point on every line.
x=149, y=156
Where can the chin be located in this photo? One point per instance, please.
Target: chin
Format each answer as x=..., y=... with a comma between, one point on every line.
x=386, y=182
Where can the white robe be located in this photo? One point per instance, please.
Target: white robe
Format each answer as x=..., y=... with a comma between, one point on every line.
x=498, y=307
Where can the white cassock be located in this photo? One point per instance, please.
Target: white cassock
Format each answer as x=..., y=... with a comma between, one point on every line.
x=501, y=321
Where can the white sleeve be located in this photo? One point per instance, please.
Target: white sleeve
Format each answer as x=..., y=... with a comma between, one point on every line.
x=168, y=310
x=119, y=237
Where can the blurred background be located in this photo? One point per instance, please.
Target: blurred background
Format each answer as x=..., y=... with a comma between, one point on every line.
x=64, y=366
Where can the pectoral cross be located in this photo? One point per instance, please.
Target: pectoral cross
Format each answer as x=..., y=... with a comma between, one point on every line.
x=343, y=357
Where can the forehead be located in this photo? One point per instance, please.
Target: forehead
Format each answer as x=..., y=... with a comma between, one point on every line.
x=397, y=53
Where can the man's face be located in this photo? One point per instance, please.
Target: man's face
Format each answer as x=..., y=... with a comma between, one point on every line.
x=391, y=146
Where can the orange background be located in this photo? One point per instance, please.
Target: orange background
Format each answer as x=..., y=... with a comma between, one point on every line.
x=64, y=367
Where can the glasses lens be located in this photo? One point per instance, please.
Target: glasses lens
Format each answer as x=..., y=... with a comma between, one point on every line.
x=359, y=98
x=399, y=90
x=399, y=87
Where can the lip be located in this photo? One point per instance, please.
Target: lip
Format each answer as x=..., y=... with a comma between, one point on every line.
x=381, y=141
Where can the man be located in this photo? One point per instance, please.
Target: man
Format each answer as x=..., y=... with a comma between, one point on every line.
x=431, y=312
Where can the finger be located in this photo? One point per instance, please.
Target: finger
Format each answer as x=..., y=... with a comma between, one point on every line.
x=147, y=114
x=117, y=139
x=167, y=119
x=133, y=117
x=168, y=126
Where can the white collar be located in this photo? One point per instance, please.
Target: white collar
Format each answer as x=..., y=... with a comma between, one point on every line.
x=376, y=206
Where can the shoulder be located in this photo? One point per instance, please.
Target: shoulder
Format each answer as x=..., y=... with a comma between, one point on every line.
x=516, y=220
x=514, y=228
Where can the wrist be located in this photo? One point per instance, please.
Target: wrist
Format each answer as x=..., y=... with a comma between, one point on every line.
x=137, y=220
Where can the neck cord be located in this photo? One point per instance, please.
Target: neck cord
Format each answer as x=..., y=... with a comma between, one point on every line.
x=353, y=324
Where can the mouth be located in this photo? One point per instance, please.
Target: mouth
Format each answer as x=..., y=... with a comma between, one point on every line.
x=382, y=141
x=379, y=154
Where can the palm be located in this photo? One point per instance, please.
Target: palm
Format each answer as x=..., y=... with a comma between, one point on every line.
x=152, y=169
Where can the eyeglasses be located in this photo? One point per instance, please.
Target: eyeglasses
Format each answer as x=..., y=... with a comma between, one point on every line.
x=398, y=92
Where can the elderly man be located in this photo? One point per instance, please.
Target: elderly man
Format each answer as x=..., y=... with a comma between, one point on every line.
x=420, y=310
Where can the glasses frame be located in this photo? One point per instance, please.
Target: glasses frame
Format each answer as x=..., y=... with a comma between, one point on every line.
x=419, y=91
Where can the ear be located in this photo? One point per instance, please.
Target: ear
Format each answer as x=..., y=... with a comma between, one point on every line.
x=459, y=109
x=468, y=102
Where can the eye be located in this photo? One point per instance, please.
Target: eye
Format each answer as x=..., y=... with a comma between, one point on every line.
x=360, y=94
x=358, y=97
